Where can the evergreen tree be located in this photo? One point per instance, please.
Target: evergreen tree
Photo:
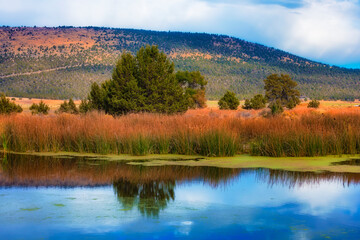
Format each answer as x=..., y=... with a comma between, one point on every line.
x=257, y=102
x=7, y=107
x=122, y=93
x=194, y=84
x=85, y=106
x=40, y=108
x=144, y=83
x=229, y=101
x=68, y=107
x=281, y=89
x=247, y=104
x=276, y=107
x=162, y=92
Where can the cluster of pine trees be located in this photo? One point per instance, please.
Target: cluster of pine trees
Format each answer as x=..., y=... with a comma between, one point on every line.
x=279, y=92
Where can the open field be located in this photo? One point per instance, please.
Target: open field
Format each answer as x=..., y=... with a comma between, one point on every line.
x=54, y=104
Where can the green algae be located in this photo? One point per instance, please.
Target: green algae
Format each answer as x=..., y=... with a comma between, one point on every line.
x=59, y=205
x=30, y=209
x=301, y=164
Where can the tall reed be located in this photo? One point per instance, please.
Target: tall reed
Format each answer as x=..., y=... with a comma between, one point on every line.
x=307, y=134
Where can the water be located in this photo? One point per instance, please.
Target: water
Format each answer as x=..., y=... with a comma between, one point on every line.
x=73, y=198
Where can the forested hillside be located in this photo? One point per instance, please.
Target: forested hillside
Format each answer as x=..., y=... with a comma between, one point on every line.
x=62, y=62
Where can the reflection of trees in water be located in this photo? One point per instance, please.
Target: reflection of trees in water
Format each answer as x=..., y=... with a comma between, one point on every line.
x=30, y=170
x=150, y=197
x=296, y=179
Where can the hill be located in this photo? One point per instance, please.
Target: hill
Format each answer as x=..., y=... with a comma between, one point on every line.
x=62, y=62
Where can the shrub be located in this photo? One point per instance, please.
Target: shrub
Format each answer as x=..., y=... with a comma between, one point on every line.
x=257, y=102
x=85, y=106
x=276, y=108
x=313, y=104
x=7, y=107
x=247, y=104
x=40, y=108
x=68, y=107
x=229, y=101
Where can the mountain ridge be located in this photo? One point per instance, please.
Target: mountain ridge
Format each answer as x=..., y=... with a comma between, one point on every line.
x=87, y=54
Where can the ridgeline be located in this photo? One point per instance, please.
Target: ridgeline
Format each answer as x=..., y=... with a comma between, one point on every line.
x=62, y=62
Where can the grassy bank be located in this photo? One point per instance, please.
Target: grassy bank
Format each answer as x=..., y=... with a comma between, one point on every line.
x=308, y=134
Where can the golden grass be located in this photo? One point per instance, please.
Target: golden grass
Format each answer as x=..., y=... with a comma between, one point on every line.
x=208, y=132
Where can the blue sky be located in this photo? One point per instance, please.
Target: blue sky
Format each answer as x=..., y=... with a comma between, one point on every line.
x=322, y=30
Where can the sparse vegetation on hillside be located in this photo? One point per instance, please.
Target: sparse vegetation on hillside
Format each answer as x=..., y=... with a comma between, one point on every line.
x=85, y=55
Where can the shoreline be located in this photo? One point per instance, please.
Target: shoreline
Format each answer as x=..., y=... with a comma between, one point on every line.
x=298, y=164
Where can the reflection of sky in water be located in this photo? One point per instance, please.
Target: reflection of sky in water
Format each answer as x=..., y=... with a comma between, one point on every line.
x=247, y=207
x=315, y=198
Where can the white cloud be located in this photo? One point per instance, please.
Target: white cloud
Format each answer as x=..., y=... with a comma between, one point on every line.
x=326, y=30
x=324, y=197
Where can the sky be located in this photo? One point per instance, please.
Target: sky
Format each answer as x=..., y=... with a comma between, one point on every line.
x=322, y=30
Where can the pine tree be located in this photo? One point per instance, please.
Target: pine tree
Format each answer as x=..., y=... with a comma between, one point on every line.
x=85, y=106
x=281, y=89
x=68, y=107
x=229, y=101
x=144, y=83
x=194, y=84
x=7, y=106
x=96, y=97
x=40, y=108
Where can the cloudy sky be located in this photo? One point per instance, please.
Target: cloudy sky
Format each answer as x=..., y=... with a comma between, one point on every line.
x=322, y=30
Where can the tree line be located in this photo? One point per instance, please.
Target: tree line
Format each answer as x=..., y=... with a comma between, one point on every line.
x=147, y=82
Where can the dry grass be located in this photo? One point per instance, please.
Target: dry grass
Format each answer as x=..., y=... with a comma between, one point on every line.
x=208, y=132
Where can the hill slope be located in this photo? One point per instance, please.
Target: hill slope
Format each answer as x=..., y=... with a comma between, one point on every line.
x=62, y=62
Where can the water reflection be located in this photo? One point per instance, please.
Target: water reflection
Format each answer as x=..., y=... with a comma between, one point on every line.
x=298, y=179
x=35, y=171
x=79, y=197
x=151, y=189
x=150, y=197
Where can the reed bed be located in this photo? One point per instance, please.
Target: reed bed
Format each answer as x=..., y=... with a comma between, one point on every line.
x=310, y=133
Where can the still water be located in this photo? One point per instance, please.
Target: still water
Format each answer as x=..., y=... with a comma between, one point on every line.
x=76, y=198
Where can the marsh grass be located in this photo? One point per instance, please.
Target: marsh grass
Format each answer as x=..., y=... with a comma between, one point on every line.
x=308, y=134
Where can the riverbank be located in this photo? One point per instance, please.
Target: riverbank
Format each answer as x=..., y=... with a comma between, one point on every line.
x=299, y=164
